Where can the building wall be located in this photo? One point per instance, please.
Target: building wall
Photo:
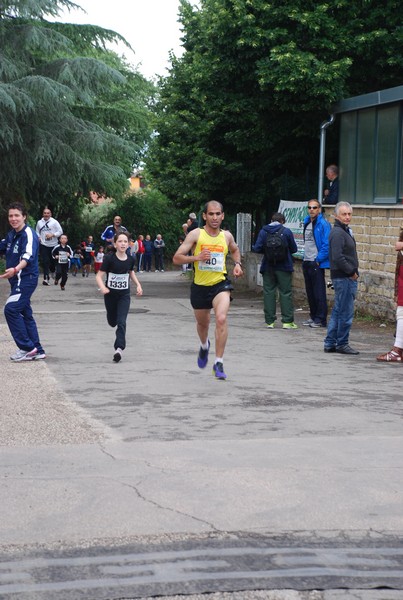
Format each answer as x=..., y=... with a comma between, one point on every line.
x=376, y=229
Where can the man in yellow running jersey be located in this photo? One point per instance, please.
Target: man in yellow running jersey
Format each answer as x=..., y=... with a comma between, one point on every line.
x=211, y=288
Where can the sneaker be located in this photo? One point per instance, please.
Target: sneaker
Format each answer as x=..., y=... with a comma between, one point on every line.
x=202, y=359
x=316, y=325
x=270, y=325
x=118, y=355
x=21, y=355
x=44, y=282
x=218, y=370
x=346, y=350
x=40, y=355
x=307, y=322
x=290, y=326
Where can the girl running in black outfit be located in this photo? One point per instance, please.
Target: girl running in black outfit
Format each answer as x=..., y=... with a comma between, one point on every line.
x=118, y=267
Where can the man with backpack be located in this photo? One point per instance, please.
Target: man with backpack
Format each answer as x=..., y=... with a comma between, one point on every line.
x=277, y=244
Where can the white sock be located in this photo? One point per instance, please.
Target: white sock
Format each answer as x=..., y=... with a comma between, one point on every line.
x=205, y=345
x=217, y=359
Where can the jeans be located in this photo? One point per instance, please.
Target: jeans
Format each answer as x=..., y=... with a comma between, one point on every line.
x=117, y=307
x=315, y=288
x=341, y=319
x=281, y=281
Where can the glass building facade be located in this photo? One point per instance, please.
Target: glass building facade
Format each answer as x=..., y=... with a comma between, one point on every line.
x=371, y=148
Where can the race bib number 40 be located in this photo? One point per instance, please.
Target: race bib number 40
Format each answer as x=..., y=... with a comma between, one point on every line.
x=118, y=282
x=216, y=261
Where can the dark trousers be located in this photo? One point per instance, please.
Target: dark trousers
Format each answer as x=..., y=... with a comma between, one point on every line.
x=315, y=287
x=147, y=261
x=159, y=259
x=48, y=262
x=280, y=281
x=117, y=307
x=139, y=261
x=18, y=314
x=62, y=273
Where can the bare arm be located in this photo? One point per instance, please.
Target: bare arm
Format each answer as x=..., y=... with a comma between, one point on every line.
x=235, y=254
x=99, y=278
x=133, y=277
x=181, y=255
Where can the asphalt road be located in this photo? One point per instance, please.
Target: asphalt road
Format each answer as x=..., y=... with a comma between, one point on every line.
x=149, y=477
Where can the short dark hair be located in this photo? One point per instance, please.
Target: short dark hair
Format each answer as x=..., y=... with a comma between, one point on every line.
x=278, y=216
x=18, y=206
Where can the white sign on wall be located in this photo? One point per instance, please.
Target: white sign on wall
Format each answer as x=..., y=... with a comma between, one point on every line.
x=295, y=213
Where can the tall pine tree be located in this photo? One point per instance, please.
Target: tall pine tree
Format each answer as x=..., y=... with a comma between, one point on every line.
x=73, y=115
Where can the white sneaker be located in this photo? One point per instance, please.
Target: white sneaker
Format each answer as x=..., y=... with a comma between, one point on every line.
x=118, y=355
x=39, y=356
x=21, y=355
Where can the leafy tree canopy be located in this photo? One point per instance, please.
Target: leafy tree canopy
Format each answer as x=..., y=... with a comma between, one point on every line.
x=151, y=212
x=73, y=115
x=243, y=106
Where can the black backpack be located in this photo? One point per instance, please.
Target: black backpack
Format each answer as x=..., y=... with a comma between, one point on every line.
x=276, y=248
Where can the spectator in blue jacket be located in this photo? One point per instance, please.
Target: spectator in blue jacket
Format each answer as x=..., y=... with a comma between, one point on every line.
x=148, y=253
x=316, y=260
x=277, y=276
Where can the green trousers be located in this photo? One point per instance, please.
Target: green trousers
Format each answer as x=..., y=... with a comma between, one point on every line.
x=281, y=281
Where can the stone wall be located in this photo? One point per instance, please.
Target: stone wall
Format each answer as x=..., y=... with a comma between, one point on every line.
x=376, y=229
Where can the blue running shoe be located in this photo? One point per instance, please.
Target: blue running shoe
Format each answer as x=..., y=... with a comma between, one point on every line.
x=218, y=370
x=202, y=359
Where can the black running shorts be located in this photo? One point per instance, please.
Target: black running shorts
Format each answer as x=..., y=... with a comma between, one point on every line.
x=202, y=296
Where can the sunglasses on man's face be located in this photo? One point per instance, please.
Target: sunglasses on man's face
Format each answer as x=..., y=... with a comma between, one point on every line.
x=313, y=207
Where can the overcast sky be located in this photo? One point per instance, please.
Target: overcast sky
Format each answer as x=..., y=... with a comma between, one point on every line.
x=150, y=26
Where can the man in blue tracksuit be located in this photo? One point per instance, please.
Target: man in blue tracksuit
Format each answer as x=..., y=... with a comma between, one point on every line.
x=21, y=247
x=316, y=260
x=109, y=233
